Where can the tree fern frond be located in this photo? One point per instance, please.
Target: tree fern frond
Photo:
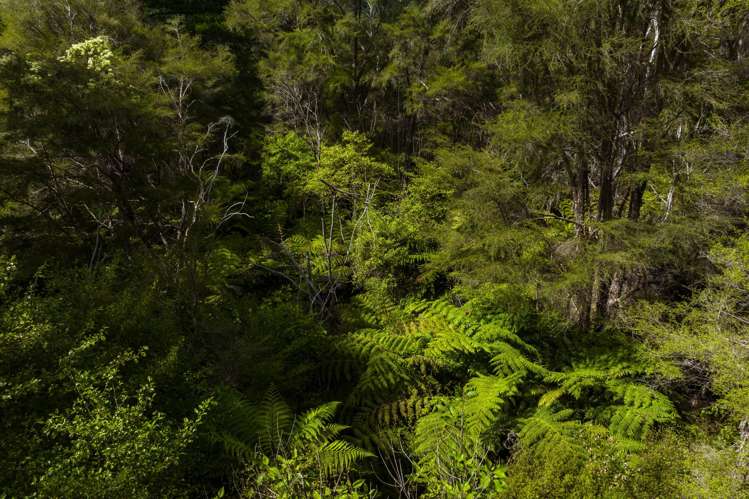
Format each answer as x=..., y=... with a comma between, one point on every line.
x=484, y=397
x=497, y=331
x=338, y=456
x=548, y=433
x=590, y=374
x=424, y=363
x=418, y=258
x=340, y=368
x=385, y=371
x=237, y=425
x=366, y=342
x=642, y=407
x=438, y=433
x=444, y=312
x=510, y=360
x=398, y=411
x=448, y=341
x=377, y=310
x=548, y=398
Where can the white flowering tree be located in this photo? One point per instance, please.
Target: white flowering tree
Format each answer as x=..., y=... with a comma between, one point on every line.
x=102, y=128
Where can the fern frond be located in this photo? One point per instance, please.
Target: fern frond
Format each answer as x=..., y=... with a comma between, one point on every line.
x=424, y=363
x=418, y=258
x=484, y=398
x=449, y=341
x=548, y=398
x=548, y=433
x=338, y=456
x=236, y=415
x=274, y=418
x=642, y=407
x=239, y=449
x=444, y=312
x=510, y=360
x=341, y=367
x=368, y=341
x=385, y=371
x=590, y=374
x=377, y=310
x=313, y=425
x=375, y=437
x=237, y=424
x=398, y=411
x=439, y=433
x=497, y=331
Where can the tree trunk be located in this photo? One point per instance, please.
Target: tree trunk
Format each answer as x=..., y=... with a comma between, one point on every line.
x=635, y=203
x=579, y=304
x=607, y=193
x=580, y=199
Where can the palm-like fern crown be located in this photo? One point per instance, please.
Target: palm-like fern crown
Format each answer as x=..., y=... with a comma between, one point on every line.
x=417, y=344
x=498, y=385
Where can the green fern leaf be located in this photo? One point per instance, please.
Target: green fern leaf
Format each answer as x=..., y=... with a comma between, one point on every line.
x=484, y=398
x=338, y=456
x=548, y=433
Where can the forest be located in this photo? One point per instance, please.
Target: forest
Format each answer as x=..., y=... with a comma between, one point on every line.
x=374, y=249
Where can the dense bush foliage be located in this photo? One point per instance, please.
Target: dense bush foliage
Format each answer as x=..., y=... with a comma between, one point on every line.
x=393, y=248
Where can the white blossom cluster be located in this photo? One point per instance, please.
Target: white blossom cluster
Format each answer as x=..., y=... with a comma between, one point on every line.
x=95, y=53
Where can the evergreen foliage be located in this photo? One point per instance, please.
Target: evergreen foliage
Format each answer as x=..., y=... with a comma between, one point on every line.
x=383, y=248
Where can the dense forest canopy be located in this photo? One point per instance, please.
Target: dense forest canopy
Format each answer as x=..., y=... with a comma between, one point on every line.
x=383, y=248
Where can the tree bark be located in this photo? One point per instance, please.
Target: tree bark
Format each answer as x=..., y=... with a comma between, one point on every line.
x=606, y=195
x=581, y=199
x=635, y=203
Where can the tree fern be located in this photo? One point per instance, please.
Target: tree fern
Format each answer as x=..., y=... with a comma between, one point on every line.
x=436, y=330
x=641, y=408
x=484, y=398
x=440, y=433
x=407, y=359
x=378, y=310
x=508, y=360
x=439, y=337
x=399, y=411
x=589, y=374
x=548, y=432
x=385, y=372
